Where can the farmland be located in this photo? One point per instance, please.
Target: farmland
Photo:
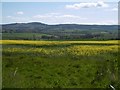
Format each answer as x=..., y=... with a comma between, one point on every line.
x=60, y=45
x=60, y=64
x=42, y=31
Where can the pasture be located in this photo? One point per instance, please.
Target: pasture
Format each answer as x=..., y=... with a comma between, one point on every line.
x=60, y=64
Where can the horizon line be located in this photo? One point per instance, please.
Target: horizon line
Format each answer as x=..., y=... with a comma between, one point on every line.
x=56, y=23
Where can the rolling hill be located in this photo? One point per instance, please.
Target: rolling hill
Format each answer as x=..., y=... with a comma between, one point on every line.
x=36, y=27
x=41, y=31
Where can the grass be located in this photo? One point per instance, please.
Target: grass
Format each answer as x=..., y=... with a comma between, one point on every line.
x=60, y=64
x=28, y=36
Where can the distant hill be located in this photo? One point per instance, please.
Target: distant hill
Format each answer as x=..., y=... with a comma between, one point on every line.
x=36, y=27
x=41, y=31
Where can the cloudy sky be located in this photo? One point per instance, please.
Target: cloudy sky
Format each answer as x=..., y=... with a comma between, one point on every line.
x=99, y=12
x=58, y=0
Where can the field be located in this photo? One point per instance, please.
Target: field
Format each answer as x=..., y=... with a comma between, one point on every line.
x=60, y=64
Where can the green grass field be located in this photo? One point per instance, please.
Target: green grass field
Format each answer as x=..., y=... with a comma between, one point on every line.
x=27, y=36
x=60, y=64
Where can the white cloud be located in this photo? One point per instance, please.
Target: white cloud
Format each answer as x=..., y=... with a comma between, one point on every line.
x=58, y=18
x=17, y=19
x=54, y=13
x=9, y=16
x=104, y=22
x=41, y=16
x=70, y=19
x=115, y=9
x=20, y=13
x=87, y=5
x=112, y=9
x=54, y=16
x=110, y=22
x=69, y=16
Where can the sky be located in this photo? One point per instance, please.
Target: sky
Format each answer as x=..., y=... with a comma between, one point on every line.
x=99, y=12
x=58, y=0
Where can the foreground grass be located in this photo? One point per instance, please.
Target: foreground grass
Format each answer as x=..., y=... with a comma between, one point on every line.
x=67, y=64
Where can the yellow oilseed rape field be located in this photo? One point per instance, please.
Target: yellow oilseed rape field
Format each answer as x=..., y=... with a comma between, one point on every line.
x=56, y=42
x=60, y=64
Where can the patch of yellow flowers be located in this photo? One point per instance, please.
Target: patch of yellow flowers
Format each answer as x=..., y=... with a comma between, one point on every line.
x=89, y=50
x=56, y=42
x=74, y=50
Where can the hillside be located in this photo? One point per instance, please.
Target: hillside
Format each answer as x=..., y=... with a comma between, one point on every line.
x=41, y=31
x=36, y=27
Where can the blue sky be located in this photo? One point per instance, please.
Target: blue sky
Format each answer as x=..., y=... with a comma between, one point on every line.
x=58, y=0
x=99, y=12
